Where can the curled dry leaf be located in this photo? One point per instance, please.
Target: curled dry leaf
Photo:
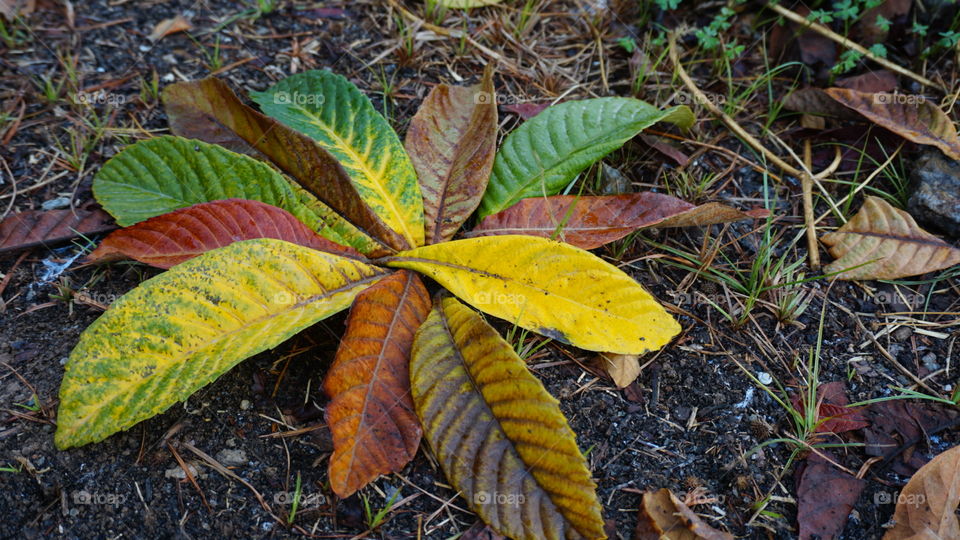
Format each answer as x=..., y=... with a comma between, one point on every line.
x=498, y=434
x=590, y=222
x=370, y=415
x=927, y=506
x=172, y=238
x=622, y=368
x=914, y=118
x=452, y=141
x=169, y=26
x=883, y=242
x=664, y=517
x=47, y=227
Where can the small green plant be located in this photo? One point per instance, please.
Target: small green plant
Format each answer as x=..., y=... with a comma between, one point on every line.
x=375, y=519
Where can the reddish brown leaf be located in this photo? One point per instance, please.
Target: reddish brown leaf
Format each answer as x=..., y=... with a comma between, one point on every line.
x=375, y=430
x=660, y=145
x=825, y=496
x=914, y=118
x=833, y=410
x=590, y=222
x=816, y=101
x=664, y=517
x=927, y=506
x=208, y=110
x=169, y=26
x=896, y=426
x=48, y=227
x=526, y=111
x=172, y=238
x=880, y=80
x=452, y=141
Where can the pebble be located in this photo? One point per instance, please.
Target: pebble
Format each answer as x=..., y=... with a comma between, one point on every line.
x=764, y=378
x=177, y=472
x=935, y=201
x=930, y=361
x=232, y=457
x=245, y=405
x=54, y=204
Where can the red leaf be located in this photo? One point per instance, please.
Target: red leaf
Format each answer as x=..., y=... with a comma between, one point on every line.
x=825, y=496
x=375, y=430
x=172, y=238
x=39, y=227
x=595, y=221
x=833, y=408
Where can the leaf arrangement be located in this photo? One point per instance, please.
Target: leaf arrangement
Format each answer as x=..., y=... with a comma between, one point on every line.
x=271, y=222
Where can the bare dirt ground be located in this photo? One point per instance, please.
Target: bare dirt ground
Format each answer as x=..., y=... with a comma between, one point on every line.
x=693, y=418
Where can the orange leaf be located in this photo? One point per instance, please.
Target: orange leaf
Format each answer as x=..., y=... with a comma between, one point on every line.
x=169, y=26
x=664, y=517
x=912, y=117
x=927, y=506
x=375, y=430
x=172, y=238
x=35, y=227
x=883, y=242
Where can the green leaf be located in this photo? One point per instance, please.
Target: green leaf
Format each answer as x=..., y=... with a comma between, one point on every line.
x=179, y=331
x=545, y=153
x=331, y=110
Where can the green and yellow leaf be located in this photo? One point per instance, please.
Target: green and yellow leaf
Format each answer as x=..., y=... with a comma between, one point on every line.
x=331, y=110
x=179, y=331
x=549, y=287
x=497, y=433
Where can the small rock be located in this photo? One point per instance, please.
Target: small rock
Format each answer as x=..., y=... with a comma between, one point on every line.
x=55, y=204
x=903, y=333
x=177, y=472
x=245, y=405
x=764, y=378
x=930, y=361
x=935, y=201
x=232, y=457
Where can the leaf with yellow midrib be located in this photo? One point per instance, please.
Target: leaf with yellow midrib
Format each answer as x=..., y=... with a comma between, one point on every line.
x=498, y=434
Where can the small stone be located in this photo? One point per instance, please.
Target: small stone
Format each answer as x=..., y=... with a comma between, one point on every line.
x=930, y=361
x=935, y=201
x=144, y=48
x=232, y=457
x=903, y=333
x=54, y=204
x=177, y=472
x=764, y=378
x=245, y=405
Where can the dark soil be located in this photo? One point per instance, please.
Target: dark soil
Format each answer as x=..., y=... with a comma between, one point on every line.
x=690, y=421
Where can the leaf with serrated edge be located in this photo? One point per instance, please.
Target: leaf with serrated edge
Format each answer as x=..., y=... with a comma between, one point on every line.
x=331, y=110
x=545, y=153
x=927, y=505
x=915, y=118
x=209, y=110
x=452, y=141
x=884, y=242
x=549, y=287
x=498, y=435
x=179, y=331
x=172, y=238
x=370, y=414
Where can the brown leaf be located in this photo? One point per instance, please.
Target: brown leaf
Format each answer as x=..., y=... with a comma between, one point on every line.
x=664, y=517
x=660, y=145
x=169, y=26
x=816, y=101
x=825, y=496
x=526, y=111
x=914, y=118
x=47, y=227
x=897, y=426
x=375, y=430
x=208, y=110
x=927, y=506
x=832, y=410
x=884, y=242
x=622, y=368
x=590, y=222
x=452, y=142
x=880, y=80
x=172, y=238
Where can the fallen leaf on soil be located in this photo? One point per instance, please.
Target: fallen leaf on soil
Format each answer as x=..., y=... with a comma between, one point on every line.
x=452, y=141
x=880, y=80
x=894, y=424
x=42, y=227
x=825, y=496
x=816, y=101
x=833, y=410
x=622, y=368
x=590, y=222
x=172, y=238
x=884, y=242
x=11, y=8
x=664, y=517
x=169, y=26
x=481, y=531
x=914, y=118
x=370, y=415
x=665, y=148
x=926, y=507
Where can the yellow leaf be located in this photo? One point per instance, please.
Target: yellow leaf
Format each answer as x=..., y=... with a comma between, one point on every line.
x=883, y=242
x=498, y=435
x=181, y=330
x=549, y=287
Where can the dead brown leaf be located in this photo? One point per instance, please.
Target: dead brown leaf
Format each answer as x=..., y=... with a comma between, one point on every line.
x=713, y=213
x=622, y=368
x=914, y=118
x=883, y=242
x=816, y=101
x=926, y=507
x=37, y=227
x=169, y=26
x=880, y=80
x=825, y=496
x=664, y=517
